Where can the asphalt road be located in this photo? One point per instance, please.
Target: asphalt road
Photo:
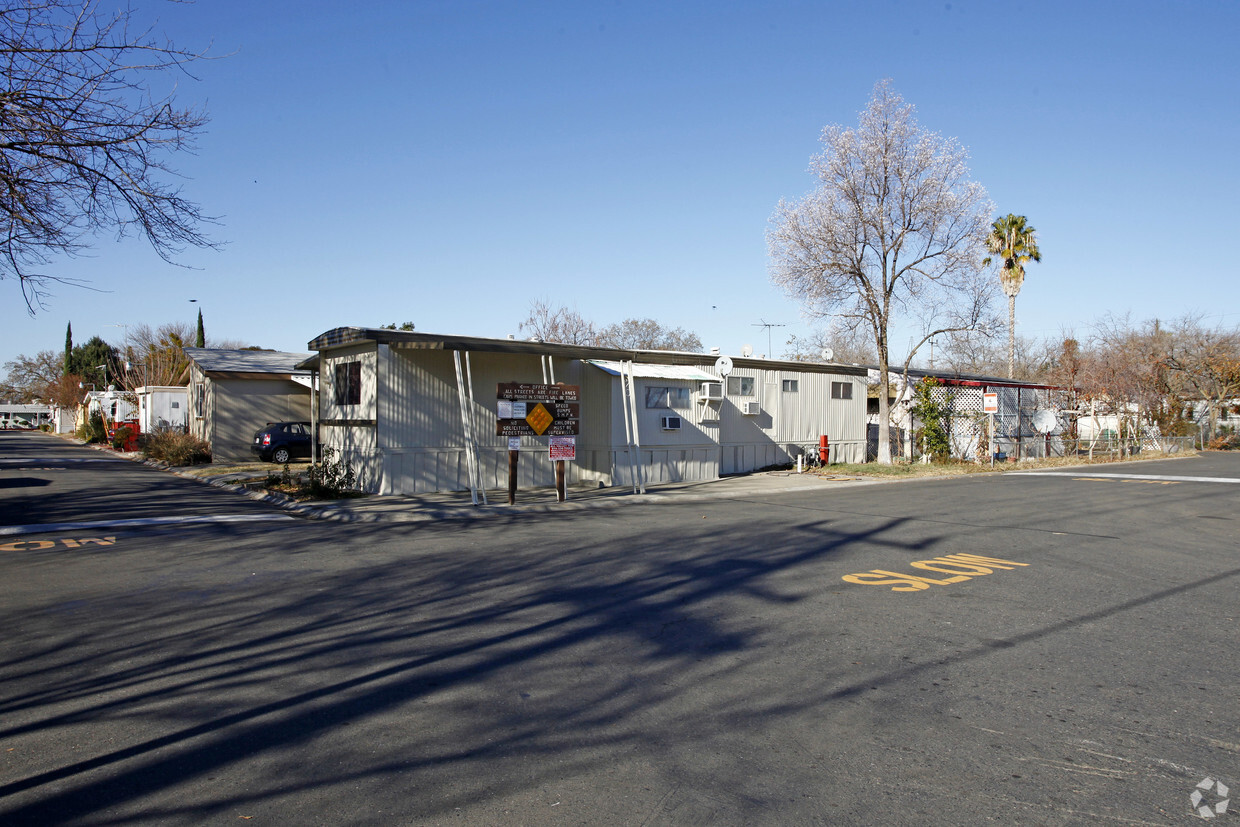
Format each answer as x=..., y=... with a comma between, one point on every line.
x=797, y=658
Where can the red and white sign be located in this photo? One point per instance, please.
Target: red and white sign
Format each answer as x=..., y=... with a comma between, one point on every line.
x=990, y=403
x=563, y=447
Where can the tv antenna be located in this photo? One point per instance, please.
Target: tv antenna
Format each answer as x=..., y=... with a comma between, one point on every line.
x=768, y=326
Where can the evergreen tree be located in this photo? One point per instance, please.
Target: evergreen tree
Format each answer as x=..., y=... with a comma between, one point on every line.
x=68, y=362
x=200, y=340
x=95, y=362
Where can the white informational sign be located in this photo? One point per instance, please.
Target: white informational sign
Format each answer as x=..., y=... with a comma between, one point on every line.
x=563, y=448
x=990, y=403
x=518, y=410
x=514, y=443
x=503, y=409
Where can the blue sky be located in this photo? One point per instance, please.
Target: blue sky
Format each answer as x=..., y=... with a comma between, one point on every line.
x=448, y=162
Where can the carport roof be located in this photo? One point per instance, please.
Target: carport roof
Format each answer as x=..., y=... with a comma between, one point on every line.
x=649, y=371
x=416, y=340
x=212, y=360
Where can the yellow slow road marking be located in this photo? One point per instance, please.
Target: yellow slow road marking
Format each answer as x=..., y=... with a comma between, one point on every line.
x=40, y=545
x=961, y=567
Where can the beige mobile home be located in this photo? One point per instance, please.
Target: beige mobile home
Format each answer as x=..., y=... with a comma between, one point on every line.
x=415, y=412
x=233, y=393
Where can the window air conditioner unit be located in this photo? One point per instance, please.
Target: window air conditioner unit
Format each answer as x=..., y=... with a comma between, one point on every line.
x=671, y=423
x=752, y=408
x=712, y=391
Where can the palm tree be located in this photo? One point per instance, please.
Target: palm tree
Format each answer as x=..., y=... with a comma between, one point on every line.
x=1015, y=244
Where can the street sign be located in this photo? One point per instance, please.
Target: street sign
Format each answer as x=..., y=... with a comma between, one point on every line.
x=537, y=410
x=990, y=403
x=564, y=448
x=526, y=392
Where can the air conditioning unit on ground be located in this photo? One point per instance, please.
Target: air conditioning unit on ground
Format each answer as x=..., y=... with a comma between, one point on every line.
x=671, y=423
x=711, y=391
x=751, y=408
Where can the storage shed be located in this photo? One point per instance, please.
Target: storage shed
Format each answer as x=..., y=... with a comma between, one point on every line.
x=233, y=393
x=412, y=412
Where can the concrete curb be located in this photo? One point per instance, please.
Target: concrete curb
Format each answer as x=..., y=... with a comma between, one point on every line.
x=409, y=510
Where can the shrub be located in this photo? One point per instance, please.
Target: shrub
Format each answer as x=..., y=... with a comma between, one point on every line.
x=122, y=436
x=92, y=431
x=932, y=435
x=331, y=477
x=177, y=448
x=1225, y=442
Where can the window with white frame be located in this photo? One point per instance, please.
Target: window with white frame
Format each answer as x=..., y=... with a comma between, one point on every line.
x=667, y=397
x=348, y=384
x=841, y=390
x=740, y=386
x=791, y=386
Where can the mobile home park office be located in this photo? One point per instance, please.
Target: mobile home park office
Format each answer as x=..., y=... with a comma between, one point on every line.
x=407, y=409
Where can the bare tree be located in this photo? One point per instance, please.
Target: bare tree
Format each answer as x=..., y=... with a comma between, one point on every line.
x=894, y=231
x=1208, y=362
x=846, y=346
x=648, y=334
x=84, y=137
x=29, y=377
x=974, y=352
x=551, y=323
x=156, y=356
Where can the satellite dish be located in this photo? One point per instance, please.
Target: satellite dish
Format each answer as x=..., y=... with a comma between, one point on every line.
x=724, y=365
x=1045, y=421
x=827, y=354
x=747, y=351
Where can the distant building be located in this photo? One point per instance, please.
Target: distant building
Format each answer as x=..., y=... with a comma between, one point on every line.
x=162, y=407
x=13, y=415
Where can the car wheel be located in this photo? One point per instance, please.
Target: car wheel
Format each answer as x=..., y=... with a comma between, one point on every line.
x=280, y=455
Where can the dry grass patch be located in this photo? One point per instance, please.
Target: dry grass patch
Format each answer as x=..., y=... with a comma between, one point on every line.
x=902, y=470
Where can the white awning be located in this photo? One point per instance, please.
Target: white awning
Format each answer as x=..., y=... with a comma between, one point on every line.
x=648, y=371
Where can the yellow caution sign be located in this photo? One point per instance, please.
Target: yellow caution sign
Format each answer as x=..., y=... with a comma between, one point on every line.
x=539, y=418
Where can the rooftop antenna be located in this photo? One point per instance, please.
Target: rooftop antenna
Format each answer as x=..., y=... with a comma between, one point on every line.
x=768, y=326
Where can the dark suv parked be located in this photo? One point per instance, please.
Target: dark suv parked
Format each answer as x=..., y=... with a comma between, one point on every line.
x=282, y=441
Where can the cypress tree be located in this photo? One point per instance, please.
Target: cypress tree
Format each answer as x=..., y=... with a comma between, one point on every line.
x=68, y=366
x=201, y=339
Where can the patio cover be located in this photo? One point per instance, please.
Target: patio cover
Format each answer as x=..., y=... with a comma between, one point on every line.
x=648, y=371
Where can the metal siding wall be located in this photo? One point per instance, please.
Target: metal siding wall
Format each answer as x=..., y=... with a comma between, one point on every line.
x=424, y=440
x=243, y=406
x=327, y=378
x=792, y=422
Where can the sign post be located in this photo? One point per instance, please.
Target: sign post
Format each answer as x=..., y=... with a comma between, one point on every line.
x=561, y=449
x=990, y=405
x=526, y=409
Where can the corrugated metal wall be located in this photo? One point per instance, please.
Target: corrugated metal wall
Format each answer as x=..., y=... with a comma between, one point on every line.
x=423, y=439
x=239, y=407
x=790, y=422
x=417, y=441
